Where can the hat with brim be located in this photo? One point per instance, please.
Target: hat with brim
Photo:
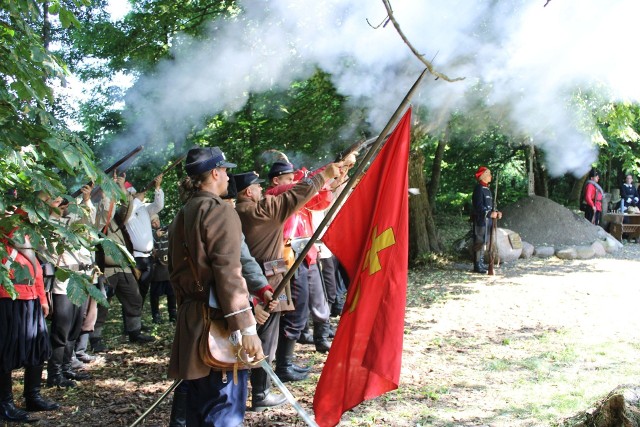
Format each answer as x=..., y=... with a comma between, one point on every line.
x=200, y=160
x=232, y=193
x=280, y=168
x=243, y=180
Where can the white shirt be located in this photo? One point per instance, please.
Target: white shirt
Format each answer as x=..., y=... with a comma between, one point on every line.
x=139, y=224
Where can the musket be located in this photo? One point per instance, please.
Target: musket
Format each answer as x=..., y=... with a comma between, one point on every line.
x=492, y=236
x=358, y=146
x=380, y=139
x=113, y=167
x=167, y=169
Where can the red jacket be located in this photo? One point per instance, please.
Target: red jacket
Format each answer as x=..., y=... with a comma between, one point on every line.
x=593, y=197
x=301, y=220
x=25, y=291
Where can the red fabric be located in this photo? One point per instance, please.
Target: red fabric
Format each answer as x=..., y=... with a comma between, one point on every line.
x=25, y=291
x=590, y=194
x=365, y=357
x=302, y=218
x=480, y=171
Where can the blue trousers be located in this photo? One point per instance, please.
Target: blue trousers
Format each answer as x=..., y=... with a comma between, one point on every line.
x=215, y=401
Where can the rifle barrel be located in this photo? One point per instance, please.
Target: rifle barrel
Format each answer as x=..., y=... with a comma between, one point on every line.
x=112, y=167
x=167, y=169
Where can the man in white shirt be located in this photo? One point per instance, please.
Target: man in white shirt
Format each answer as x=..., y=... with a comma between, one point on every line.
x=138, y=224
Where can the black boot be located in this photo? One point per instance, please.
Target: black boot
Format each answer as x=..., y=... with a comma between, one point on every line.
x=321, y=336
x=70, y=374
x=261, y=396
x=54, y=370
x=179, y=409
x=8, y=410
x=284, y=361
x=97, y=345
x=139, y=338
x=306, y=337
x=32, y=397
x=478, y=264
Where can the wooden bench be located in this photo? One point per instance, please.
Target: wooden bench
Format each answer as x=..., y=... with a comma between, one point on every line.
x=620, y=224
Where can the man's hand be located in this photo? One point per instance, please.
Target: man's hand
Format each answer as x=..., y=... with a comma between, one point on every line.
x=332, y=171
x=86, y=192
x=158, y=181
x=260, y=314
x=253, y=346
x=45, y=310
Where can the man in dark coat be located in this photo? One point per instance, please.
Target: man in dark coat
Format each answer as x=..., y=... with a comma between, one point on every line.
x=206, y=236
x=483, y=216
x=263, y=220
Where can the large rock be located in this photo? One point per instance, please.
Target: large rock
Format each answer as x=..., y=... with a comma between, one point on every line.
x=598, y=249
x=567, y=253
x=527, y=250
x=544, y=251
x=509, y=245
x=621, y=408
x=585, y=252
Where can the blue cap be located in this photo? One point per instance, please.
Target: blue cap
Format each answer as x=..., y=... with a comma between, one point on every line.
x=280, y=168
x=243, y=180
x=200, y=160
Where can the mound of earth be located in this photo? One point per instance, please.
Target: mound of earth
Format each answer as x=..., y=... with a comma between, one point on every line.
x=543, y=222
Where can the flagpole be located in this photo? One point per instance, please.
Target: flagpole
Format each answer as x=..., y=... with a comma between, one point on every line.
x=348, y=186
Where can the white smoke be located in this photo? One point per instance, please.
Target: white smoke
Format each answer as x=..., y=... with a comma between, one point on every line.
x=531, y=56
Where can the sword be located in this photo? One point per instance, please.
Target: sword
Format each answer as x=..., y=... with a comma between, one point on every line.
x=175, y=384
x=299, y=409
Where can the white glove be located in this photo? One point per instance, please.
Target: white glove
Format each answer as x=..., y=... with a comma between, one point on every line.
x=629, y=200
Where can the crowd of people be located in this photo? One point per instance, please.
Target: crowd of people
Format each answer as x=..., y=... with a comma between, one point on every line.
x=223, y=256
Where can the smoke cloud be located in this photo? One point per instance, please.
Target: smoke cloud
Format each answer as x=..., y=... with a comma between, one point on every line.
x=532, y=57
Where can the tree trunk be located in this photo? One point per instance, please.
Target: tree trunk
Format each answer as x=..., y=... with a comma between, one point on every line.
x=532, y=179
x=46, y=26
x=436, y=170
x=542, y=184
x=422, y=230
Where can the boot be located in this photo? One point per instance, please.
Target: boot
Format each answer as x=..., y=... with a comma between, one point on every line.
x=321, y=336
x=54, y=370
x=32, y=397
x=261, y=396
x=139, y=338
x=284, y=361
x=178, y=409
x=478, y=264
x=70, y=374
x=8, y=410
x=306, y=337
x=82, y=343
x=97, y=345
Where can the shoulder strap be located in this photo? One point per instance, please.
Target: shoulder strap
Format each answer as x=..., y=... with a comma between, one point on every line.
x=187, y=256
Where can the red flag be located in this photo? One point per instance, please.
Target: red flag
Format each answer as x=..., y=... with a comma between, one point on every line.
x=370, y=237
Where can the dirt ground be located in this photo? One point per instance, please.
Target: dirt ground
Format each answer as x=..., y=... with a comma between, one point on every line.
x=540, y=341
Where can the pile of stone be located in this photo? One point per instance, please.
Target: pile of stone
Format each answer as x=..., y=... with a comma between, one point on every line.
x=539, y=227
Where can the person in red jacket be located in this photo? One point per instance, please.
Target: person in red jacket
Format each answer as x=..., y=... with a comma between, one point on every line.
x=308, y=293
x=593, y=198
x=24, y=339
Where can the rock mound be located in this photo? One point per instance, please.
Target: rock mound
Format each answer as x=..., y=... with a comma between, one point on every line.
x=543, y=222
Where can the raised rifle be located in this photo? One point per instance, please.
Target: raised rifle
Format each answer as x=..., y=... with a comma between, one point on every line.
x=358, y=146
x=167, y=169
x=493, y=235
x=113, y=167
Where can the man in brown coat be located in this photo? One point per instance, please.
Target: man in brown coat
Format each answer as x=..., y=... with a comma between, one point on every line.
x=207, y=231
x=263, y=220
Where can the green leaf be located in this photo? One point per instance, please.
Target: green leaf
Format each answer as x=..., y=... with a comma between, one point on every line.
x=77, y=288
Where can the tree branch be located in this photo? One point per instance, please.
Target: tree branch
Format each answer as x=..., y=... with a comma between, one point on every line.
x=421, y=57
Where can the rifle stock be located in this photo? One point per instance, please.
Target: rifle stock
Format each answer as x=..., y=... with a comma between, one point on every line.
x=112, y=167
x=493, y=235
